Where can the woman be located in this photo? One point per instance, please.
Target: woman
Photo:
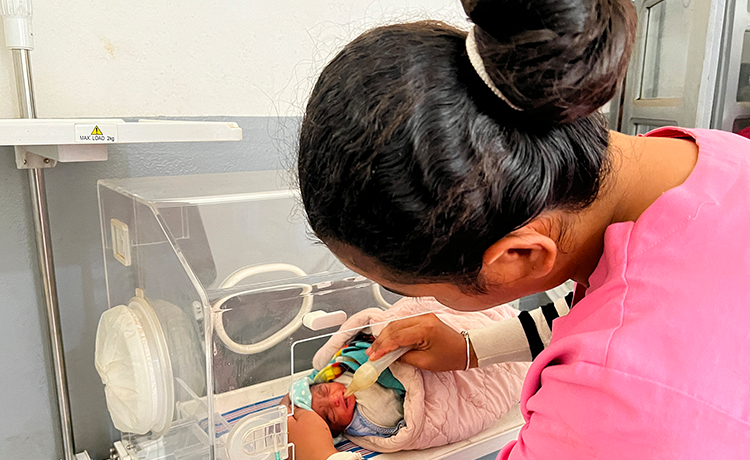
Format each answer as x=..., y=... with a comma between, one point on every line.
x=476, y=170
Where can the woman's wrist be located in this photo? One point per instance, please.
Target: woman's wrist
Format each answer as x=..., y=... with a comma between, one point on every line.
x=473, y=360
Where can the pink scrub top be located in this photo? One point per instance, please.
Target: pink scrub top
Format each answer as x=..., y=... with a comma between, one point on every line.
x=654, y=362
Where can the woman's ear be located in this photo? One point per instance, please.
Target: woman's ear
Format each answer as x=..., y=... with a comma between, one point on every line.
x=524, y=254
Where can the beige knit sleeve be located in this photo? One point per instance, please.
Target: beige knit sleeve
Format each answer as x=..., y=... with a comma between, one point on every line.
x=506, y=341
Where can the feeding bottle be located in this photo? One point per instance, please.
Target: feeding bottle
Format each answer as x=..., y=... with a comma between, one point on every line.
x=368, y=373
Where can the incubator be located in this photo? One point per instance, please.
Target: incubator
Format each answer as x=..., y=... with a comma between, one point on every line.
x=218, y=299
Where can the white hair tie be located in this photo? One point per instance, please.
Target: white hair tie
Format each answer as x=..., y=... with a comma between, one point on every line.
x=478, y=64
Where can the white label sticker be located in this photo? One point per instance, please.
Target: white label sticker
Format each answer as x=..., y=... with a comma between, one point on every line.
x=96, y=134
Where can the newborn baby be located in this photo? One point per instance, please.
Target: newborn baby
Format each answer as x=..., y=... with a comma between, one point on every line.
x=329, y=402
x=374, y=411
x=438, y=407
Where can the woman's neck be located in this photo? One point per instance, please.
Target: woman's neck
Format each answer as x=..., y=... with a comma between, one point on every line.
x=642, y=168
x=649, y=167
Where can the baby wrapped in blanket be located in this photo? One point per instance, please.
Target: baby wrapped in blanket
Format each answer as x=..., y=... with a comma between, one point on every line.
x=438, y=407
x=374, y=411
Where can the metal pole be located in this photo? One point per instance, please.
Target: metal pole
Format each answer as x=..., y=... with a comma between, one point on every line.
x=25, y=87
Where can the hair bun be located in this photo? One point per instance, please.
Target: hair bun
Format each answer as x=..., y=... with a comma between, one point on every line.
x=558, y=60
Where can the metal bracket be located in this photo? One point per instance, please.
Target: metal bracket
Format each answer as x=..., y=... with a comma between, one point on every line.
x=83, y=456
x=30, y=160
x=120, y=452
x=46, y=156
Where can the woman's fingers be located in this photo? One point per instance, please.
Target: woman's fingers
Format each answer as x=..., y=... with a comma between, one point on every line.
x=436, y=346
x=406, y=332
x=407, y=337
x=286, y=401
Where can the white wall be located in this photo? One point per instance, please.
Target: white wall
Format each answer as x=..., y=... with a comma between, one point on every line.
x=252, y=61
x=193, y=57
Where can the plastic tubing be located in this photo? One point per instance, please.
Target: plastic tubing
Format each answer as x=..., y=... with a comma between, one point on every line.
x=379, y=296
x=276, y=338
x=289, y=329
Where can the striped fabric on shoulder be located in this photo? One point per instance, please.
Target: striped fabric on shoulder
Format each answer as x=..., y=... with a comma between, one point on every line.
x=537, y=324
x=536, y=345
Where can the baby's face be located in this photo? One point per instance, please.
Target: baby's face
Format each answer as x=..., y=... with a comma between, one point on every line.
x=329, y=402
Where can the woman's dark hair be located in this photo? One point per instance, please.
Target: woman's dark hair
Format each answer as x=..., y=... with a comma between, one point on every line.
x=406, y=155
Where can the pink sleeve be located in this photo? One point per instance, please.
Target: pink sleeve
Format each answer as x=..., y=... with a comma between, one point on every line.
x=583, y=411
x=570, y=415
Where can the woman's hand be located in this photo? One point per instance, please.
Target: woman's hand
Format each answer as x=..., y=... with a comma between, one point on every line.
x=286, y=401
x=436, y=346
x=310, y=435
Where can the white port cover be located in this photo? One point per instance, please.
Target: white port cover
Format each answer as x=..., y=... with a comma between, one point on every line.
x=132, y=362
x=123, y=364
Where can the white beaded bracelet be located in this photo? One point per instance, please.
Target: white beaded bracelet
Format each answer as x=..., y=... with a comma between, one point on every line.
x=468, y=352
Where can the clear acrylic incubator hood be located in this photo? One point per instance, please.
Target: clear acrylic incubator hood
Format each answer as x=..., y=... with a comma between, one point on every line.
x=218, y=298
x=214, y=286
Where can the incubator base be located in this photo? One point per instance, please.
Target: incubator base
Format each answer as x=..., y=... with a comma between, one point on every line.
x=237, y=408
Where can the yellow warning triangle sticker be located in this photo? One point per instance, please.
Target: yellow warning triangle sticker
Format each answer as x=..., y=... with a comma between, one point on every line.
x=96, y=131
